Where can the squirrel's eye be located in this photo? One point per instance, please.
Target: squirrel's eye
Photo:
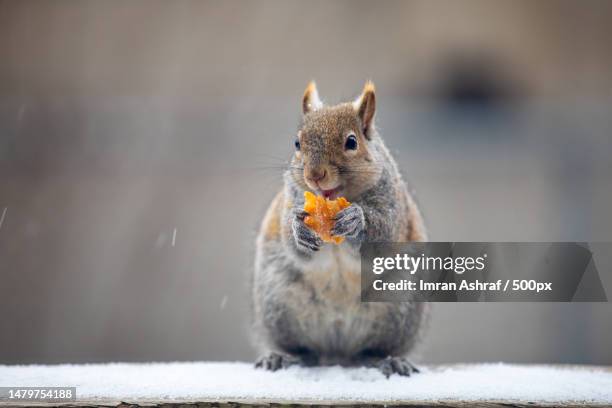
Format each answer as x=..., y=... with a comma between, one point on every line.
x=297, y=144
x=351, y=143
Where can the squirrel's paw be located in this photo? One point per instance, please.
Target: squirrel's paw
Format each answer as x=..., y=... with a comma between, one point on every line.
x=306, y=239
x=397, y=365
x=275, y=361
x=349, y=222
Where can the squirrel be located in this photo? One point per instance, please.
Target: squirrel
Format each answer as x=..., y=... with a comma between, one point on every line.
x=307, y=308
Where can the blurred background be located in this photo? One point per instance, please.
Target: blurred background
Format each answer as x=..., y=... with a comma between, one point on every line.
x=141, y=141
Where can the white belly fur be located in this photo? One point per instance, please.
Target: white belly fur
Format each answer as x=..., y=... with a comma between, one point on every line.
x=337, y=321
x=335, y=273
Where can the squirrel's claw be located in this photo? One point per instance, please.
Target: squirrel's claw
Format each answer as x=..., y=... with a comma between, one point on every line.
x=300, y=214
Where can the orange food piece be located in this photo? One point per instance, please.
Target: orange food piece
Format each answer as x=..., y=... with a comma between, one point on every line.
x=322, y=212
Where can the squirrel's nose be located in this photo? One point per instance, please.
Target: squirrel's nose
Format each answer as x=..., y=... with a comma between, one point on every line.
x=317, y=175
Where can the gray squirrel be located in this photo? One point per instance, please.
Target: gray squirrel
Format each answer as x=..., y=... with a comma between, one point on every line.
x=306, y=293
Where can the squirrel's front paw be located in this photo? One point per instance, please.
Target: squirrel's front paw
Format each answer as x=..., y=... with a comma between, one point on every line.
x=349, y=222
x=306, y=239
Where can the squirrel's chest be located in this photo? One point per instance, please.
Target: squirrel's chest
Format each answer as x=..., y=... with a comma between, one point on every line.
x=335, y=275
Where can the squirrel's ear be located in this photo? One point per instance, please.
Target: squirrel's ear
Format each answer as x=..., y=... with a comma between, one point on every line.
x=310, y=100
x=365, y=106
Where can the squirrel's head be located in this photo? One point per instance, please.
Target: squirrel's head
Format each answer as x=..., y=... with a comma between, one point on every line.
x=334, y=153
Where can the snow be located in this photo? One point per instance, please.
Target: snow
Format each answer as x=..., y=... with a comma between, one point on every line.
x=240, y=381
x=2, y=216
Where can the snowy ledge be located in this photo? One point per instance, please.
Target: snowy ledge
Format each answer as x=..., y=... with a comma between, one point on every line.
x=239, y=384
